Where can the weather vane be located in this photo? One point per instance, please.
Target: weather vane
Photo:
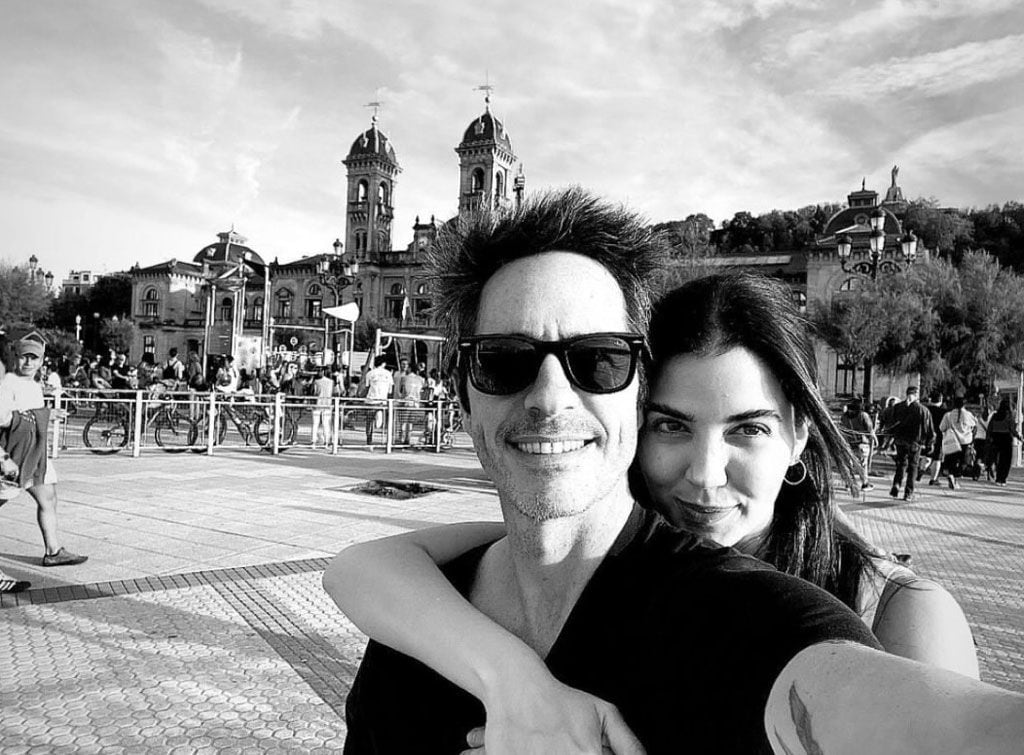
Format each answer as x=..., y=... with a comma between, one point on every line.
x=486, y=88
x=376, y=105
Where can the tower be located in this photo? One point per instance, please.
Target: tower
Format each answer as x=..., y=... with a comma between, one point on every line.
x=486, y=161
x=372, y=169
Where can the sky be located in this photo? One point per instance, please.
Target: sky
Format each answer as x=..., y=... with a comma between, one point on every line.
x=135, y=131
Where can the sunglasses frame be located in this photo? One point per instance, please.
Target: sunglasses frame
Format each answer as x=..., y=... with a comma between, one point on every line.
x=637, y=348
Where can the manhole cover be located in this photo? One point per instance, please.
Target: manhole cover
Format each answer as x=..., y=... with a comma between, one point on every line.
x=390, y=489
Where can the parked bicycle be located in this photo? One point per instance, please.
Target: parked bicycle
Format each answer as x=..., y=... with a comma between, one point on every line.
x=252, y=422
x=110, y=429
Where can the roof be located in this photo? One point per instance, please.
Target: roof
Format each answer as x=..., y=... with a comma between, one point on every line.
x=486, y=129
x=858, y=220
x=230, y=248
x=372, y=143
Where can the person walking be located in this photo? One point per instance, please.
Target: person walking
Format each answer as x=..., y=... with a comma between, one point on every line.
x=1002, y=429
x=378, y=384
x=910, y=425
x=859, y=432
x=323, y=392
x=956, y=429
x=937, y=409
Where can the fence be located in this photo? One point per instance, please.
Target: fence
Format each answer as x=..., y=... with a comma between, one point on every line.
x=109, y=422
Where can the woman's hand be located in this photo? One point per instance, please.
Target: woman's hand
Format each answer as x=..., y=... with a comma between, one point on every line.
x=556, y=718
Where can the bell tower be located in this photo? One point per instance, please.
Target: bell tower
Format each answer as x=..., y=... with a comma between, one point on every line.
x=372, y=171
x=486, y=164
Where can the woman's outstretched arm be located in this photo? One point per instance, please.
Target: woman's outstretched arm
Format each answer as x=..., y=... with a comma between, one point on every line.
x=393, y=590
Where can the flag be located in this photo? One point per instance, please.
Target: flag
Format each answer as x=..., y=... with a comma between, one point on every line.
x=405, y=308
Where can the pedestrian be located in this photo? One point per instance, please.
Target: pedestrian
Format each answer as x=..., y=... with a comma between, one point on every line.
x=910, y=425
x=410, y=392
x=24, y=421
x=377, y=385
x=859, y=431
x=956, y=430
x=172, y=369
x=1002, y=429
x=932, y=459
x=323, y=392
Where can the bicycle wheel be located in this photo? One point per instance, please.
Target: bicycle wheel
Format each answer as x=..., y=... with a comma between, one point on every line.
x=264, y=426
x=174, y=432
x=106, y=435
x=199, y=432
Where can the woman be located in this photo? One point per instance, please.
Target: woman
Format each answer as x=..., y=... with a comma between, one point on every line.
x=737, y=446
x=1002, y=429
x=957, y=425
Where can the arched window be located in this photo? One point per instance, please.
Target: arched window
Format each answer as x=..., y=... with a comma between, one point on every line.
x=499, y=184
x=360, y=241
x=226, y=307
x=421, y=289
x=476, y=181
x=362, y=190
x=283, y=308
x=257, y=309
x=314, y=290
x=397, y=289
x=382, y=193
x=851, y=284
x=151, y=303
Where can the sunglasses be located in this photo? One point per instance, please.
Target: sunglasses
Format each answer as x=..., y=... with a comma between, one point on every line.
x=500, y=365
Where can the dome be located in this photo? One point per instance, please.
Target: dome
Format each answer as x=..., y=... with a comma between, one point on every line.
x=486, y=128
x=227, y=250
x=372, y=143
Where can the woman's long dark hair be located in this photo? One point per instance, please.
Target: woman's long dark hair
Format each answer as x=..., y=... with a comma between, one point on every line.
x=711, y=315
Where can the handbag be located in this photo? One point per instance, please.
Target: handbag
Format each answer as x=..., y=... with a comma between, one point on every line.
x=950, y=444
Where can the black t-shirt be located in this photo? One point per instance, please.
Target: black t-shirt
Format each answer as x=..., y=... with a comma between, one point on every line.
x=685, y=637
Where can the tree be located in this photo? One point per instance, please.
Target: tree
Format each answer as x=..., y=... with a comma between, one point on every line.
x=688, y=237
x=20, y=300
x=117, y=334
x=948, y=231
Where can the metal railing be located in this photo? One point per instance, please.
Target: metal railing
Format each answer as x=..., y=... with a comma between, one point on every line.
x=108, y=422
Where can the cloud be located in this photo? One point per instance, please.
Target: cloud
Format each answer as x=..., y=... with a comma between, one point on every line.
x=936, y=73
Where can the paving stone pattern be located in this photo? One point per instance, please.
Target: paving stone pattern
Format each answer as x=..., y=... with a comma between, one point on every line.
x=199, y=623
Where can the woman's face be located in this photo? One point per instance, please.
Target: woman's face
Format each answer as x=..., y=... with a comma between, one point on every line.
x=717, y=439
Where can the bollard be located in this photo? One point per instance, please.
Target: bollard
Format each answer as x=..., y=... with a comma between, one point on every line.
x=389, y=424
x=137, y=425
x=337, y=422
x=278, y=414
x=211, y=429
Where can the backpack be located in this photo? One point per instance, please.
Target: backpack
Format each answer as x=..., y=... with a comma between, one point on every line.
x=169, y=372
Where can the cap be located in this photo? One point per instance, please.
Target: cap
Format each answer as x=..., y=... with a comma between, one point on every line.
x=29, y=346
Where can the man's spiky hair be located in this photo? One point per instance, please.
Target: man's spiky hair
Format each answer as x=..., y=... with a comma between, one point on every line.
x=468, y=252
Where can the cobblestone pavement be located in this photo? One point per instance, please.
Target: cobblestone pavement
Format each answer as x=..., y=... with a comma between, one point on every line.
x=199, y=623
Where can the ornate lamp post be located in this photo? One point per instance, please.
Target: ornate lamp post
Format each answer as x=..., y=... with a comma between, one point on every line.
x=869, y=268
x=336, y=274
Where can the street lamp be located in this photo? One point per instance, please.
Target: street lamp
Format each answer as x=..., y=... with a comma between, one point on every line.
x=336, y=274
x=903, y=257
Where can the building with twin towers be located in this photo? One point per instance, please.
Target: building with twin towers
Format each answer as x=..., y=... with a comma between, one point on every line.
x=226, y=299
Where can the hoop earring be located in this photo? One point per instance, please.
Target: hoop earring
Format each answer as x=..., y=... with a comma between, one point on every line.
x=803, y=473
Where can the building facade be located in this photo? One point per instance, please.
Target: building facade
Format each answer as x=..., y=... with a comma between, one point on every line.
x=227, y=300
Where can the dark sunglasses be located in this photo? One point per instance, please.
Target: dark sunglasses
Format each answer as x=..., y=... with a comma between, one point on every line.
x=500, y=365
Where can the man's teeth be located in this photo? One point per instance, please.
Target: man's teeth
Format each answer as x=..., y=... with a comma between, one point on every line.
x=551, y=447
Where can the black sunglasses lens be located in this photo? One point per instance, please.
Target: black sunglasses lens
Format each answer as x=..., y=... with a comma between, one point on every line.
x=501, y=366
x=600, y=364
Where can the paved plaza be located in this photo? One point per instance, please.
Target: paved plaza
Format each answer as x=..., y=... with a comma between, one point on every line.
x=199, y=623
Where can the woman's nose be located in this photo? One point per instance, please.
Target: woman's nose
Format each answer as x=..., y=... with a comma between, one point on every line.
x=707, y=462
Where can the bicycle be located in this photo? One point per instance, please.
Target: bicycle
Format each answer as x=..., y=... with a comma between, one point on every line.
x=109, y=430
x=251, y=422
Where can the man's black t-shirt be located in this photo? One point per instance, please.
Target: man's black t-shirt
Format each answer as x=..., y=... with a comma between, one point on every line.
x=686, y=638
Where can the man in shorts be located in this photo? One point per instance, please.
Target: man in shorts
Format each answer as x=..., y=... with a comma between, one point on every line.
x=22, y=410
x=378, y=385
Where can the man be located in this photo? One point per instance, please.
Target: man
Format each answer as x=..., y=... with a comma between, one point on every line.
x=910, y=426
x=323, y=391
x=937, y=409
x=378, y=385
x=410, y=390
x=703, y=650
x=227, y=376
x=22, y=412
x=173, y=369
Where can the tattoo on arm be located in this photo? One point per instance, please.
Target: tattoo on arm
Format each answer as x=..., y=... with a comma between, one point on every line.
x=802, y=721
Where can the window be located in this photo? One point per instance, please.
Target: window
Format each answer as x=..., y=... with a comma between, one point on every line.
x=800, y=300
x=362, y=190
x=151, y=303
x=846, y=378
x=148, y=345
x=382, y=194
x=257, y=309
x=313, y=308
x=499, y=184
x=284, y=304
x=476, y=181
x=225, y=310
x=851, y=284
x=394, y=302
x=314, y=290
x=360, y=241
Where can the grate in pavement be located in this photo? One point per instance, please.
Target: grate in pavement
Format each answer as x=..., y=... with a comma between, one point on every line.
x=398, y=491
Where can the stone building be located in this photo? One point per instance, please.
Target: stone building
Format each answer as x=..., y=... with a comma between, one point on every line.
x=228, y=300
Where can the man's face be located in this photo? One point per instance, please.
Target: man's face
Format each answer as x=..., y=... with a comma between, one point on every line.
x=28, y=365
x=553, y=449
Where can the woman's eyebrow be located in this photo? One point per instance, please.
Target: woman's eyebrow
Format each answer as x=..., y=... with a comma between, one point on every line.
x=755, y=414
x=654, y=406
